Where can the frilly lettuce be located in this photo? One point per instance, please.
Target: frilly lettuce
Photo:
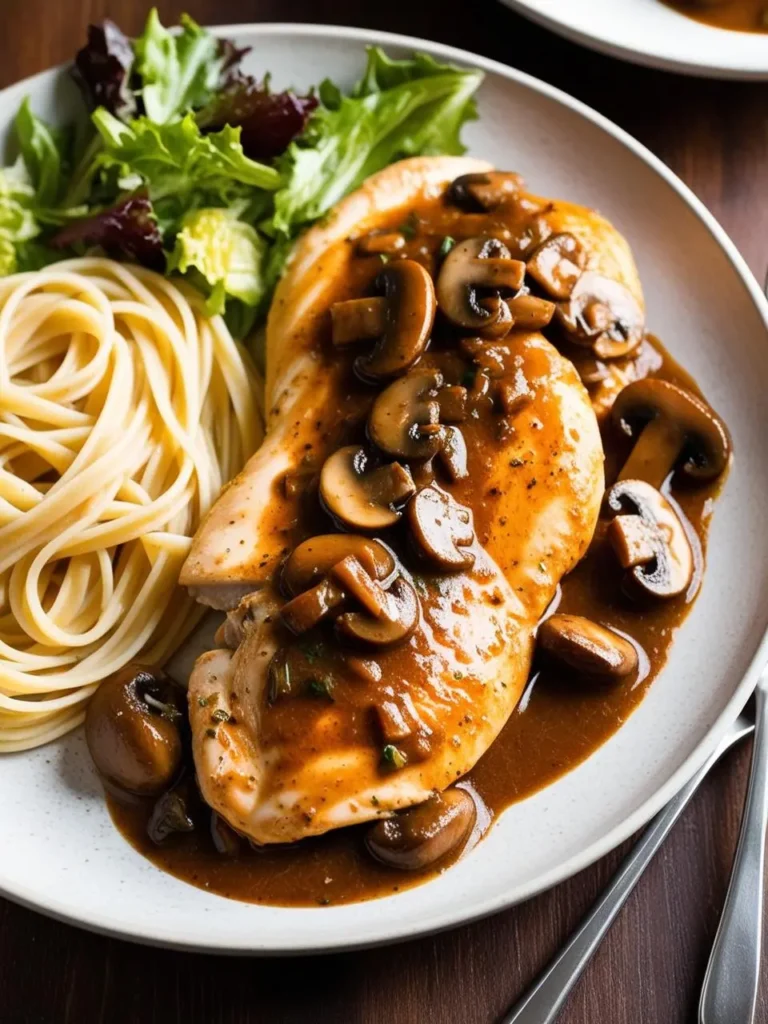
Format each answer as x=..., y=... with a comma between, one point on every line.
x=180, y=71
x=226, y=252
x=399, y=108
x=18, y=223
x=163, y=176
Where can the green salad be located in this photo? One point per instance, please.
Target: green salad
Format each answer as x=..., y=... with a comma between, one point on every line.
x=186, y=163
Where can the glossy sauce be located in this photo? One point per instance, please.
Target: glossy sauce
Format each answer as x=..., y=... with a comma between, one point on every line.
x=738, y=15
x=558, y=722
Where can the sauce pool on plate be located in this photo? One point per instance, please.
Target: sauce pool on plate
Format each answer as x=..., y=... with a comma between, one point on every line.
x=738, y=15
x=557, y=724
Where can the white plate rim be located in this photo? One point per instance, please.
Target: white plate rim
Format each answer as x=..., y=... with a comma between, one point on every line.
x=169, y=938
x=636, y=55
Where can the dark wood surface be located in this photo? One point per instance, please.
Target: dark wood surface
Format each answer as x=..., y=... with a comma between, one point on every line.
x=650, y=968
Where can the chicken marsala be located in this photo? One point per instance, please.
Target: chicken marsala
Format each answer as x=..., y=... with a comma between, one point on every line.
x=460, y=439
x=454, y=366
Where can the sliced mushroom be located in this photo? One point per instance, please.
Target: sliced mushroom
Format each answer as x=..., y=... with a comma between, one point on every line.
x=590, y=649
x=423, y=835
x=649, y=542
x=170, y=814
x=530, y=313
x=514, y=393
x=401, y=412
x=297, y=482
x=452, y=400
x=363, y=499
x=602, y=315
x=479, y=265
x=453, y=454
x=315, y=557
x=557, y=265
x=485, y=190
x=673, y=428
x=442, y=529
x=398, y=620
x=306, y=610
x=131, y=727
x=358, y=320
x=401, y=320
x=360, y=584
x=225, y=839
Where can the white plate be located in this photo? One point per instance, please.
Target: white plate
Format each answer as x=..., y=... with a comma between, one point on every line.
x=649, y=32
x=60, y=852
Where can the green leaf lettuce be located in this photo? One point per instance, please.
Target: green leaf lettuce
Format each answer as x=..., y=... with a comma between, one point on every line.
x=179, y=71
x=226, y=252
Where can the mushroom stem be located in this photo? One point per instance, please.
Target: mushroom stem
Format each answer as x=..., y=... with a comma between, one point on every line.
x=589, y=649
x=530, y=313
x=485, y=191
x=358, y=320
x=650, y=542
x=424, y=834
x=655, y=452
x=673, y=428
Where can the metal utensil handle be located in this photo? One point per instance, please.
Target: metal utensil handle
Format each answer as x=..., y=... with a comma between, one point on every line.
x=730, y=985
x=542, y=1003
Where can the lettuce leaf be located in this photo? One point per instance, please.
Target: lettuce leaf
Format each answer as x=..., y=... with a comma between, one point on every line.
x=102, y=70
x=218, y=175
x=399, y=108
x=18, y=223
x=128, y=229
x=42, y=155
x=179, y=72
x=225, y=252
x=178, y=160
x=270, y=121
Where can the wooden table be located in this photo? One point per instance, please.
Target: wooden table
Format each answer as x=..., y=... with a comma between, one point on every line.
x=649, y=970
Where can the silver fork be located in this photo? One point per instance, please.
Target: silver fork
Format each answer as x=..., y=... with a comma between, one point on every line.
x=543, y=1002
x=729, y=993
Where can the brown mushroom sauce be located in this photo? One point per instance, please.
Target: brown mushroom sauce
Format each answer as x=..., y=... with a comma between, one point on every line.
x=561, y=718
x=741, y=15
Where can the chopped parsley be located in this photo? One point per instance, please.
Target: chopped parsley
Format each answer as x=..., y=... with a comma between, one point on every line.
x=320, y=687
x=393, y=758
x=445, y=246
x=409, y=226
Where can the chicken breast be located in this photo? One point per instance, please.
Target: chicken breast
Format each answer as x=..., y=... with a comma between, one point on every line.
x=352, y=734
x=235, y=550
x=282, y=771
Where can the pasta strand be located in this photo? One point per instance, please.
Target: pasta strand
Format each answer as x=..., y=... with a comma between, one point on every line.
x=123, y=410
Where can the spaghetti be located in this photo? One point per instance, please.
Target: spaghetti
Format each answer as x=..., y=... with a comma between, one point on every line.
x=123, y=410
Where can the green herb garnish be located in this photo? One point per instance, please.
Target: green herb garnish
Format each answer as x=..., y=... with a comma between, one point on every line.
x=409, y=226
x=445, y=246
x=320, y=688
x=393, y=758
